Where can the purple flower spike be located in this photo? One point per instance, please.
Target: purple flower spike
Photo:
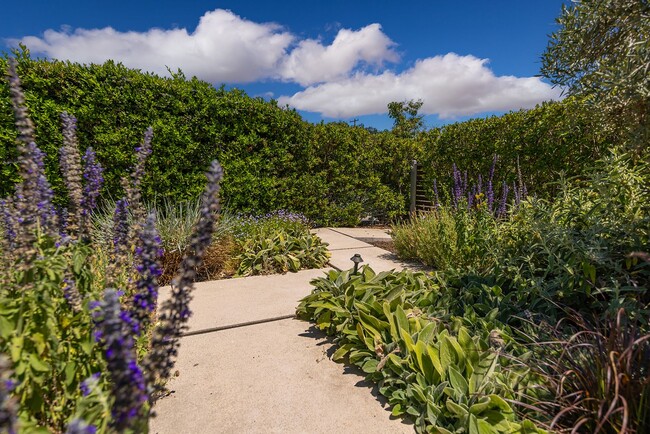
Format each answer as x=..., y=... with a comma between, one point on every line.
x=435, y=192
x=33, y=199
x=93, y=178
x=490, y=195
x=8, y=405
x=70, y=164
x=493, y=166
x=175, y=312
x=9, y=222
x=148, y=268
x=504, y=201
x=127, y=381
x=78, y=426
x=120, y=227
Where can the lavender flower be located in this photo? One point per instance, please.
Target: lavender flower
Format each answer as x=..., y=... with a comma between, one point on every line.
x=175, y=312
x=127, y=380
x=93, y=177
x=148, y=267
x=8, y=406
x=70, y=164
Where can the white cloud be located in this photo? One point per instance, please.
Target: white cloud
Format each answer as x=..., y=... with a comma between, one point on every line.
x=222, y=48
x=311, y=62
x=450, y=86
x=346, y=77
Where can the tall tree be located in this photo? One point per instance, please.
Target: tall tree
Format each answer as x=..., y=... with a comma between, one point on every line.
x=602, y=52
x=406, y=120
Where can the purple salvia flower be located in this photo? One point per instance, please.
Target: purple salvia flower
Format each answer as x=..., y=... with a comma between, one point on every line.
x=465, y=185
x=480, y=184
x=504, y=200
x=148, y=268
x=175, y=312
x=515, y=190
x=490, y=195
x=8, y=405
x=71, y=293
x=493, y=166
x=470, y=200
x=121, y=228
x=33, y=196
x=133, y=191
x=457, y=192
x=93, y=178
x=24, y=124
x=127, y=380
x=89, y=384
x=79, y=426
x=70, y=163
x=8, y=222
x=520, y=187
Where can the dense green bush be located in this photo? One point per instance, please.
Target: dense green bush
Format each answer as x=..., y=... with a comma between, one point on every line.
x=554, y=137
x=273, y=159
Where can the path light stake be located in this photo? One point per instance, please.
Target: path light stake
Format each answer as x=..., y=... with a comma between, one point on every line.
x=357, y=259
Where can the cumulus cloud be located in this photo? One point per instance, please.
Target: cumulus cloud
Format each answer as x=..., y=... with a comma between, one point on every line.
x=311, y=62
x=449, y=85
x=222, y=48
x=345, y=78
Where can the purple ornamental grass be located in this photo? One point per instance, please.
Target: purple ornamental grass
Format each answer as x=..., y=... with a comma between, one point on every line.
x=175, y=312
x=113, y=329
x=148, y=268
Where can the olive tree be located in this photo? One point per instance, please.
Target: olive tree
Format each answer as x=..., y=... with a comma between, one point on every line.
x=602, y=52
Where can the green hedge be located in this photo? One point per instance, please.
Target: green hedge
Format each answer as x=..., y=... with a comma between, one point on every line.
x=333, y=173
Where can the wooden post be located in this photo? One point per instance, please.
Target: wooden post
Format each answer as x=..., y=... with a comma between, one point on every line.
x=414, y=180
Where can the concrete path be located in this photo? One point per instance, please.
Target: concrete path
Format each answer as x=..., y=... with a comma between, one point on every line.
x=246, y=366
x=345, y=242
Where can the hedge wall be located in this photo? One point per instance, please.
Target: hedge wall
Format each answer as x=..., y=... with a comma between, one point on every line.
x=333, y=173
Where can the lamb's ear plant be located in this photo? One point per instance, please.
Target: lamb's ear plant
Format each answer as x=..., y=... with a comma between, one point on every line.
x=73, y=346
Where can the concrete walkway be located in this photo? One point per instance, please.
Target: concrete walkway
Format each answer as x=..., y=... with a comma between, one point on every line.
x=247, y=366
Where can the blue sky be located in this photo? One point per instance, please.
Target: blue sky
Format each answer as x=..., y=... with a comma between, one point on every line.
x=331, y=60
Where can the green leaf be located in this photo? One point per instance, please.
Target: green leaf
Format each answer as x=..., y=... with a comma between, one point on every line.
x=458, y=381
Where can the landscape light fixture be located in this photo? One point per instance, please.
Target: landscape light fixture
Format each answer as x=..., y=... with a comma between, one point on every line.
x=357, y=259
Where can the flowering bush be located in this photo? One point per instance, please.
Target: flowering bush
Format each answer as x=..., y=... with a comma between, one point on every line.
x=82, y=354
